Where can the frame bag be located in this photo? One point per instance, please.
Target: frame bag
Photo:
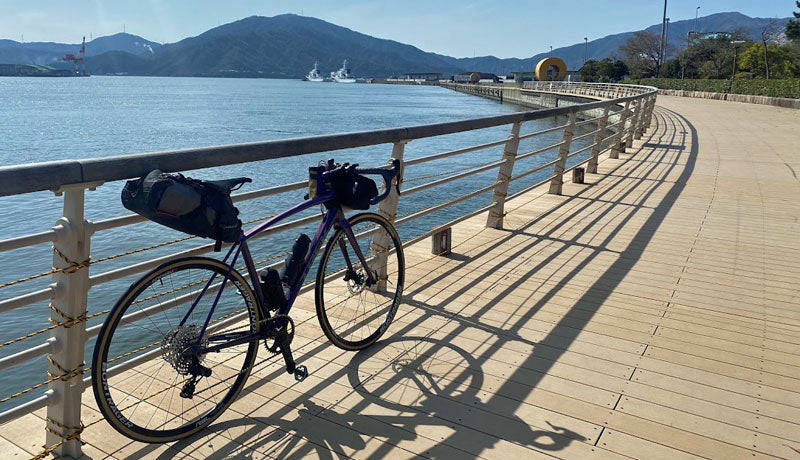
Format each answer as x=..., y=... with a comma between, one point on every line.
x=196, y=207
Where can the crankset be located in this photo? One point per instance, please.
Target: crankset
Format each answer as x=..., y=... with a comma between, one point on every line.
x=281, y=333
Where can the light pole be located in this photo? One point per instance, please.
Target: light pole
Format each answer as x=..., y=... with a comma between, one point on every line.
x=551, y=49
x=585, y=48
x=696, y=11
x=663, y=33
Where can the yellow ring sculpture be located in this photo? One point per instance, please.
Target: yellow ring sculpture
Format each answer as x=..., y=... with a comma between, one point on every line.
x=546, y=63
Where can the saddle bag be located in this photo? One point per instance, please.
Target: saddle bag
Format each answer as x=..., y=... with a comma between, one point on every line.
x=196, y=207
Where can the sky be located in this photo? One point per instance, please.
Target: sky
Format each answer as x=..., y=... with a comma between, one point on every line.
x=460, y=28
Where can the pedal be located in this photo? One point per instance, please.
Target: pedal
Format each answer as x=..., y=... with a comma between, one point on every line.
x=300, y=373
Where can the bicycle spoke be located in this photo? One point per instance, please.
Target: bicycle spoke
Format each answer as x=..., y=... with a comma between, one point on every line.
x=146, y=394
x=351, y=316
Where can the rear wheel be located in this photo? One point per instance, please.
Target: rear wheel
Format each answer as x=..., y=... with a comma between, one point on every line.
x=353, y=312
x=144, y=373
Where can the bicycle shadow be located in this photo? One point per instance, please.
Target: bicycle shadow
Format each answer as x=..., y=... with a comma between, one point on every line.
x=413, y=393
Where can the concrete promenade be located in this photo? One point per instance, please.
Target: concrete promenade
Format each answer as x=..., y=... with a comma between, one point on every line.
x=653, y=312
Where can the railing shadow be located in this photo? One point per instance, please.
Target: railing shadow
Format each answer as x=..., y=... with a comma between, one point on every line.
x=428, y=388
x=592, y=297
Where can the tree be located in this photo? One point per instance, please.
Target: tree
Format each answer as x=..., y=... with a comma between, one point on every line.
x=606, y=70
x=793, y=26
x=780, y=59
x=642, y=54
x=710, y=58
x=589, y=71
x=768, y=33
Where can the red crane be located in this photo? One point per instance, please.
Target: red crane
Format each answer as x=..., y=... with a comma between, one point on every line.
x=77, y=61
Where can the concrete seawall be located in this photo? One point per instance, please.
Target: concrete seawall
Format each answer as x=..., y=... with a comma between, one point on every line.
x=528, y=98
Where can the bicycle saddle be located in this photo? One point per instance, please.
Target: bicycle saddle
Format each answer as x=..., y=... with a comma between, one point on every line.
x=227, y=185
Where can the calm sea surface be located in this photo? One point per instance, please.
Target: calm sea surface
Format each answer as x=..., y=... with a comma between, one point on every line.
x=46, y=119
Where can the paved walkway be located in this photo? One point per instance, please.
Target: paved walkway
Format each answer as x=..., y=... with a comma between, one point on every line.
x=652, y=313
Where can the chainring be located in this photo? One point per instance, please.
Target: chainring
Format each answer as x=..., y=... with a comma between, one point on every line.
x=270, y=343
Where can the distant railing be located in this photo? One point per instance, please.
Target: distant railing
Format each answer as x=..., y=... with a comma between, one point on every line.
x=616, y=122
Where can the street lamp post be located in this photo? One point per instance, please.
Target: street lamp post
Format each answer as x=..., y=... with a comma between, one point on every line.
x=696, y=11
x=663, y=33
x=585, y=48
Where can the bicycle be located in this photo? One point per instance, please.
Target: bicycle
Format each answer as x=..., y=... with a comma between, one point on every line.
x=177, y=347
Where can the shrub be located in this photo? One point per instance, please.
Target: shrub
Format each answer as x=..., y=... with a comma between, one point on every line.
x=774, y=88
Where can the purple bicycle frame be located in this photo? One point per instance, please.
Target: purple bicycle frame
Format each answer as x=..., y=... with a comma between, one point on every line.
x=334, y=215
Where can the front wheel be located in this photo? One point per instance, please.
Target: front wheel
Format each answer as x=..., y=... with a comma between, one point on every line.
x=352, y=310
x=144, y=370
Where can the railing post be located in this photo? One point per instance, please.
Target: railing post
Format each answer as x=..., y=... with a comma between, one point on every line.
x=616, y=142
x=642, y=121
x=68, y=309
x=591, y=167
x=637, y=114
x=495, y=219
x=557, y=181
x=388, y=209
x=650, y=112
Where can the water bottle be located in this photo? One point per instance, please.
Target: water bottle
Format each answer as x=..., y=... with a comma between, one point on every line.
x=293, y=267
x=271, y=286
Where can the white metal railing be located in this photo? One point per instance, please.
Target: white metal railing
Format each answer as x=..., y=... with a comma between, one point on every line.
x=623, y=117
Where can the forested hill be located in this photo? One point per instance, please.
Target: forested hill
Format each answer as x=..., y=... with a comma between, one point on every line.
x=284, y=46
x=287, y=46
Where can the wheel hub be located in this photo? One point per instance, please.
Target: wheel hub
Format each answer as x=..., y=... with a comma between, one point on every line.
x=356, y=280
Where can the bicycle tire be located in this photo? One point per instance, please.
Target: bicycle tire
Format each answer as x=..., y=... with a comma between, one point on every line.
x=143, y=306
x=362, y=330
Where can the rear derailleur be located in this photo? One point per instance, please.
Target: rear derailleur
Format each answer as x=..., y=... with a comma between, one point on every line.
x=280, y=332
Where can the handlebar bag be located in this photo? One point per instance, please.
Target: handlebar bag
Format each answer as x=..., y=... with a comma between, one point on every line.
x=355, y=191
x=188, y=205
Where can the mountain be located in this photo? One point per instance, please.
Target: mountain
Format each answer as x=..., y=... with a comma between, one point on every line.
x=49, y=53
x=286, y=46
x=609, y=46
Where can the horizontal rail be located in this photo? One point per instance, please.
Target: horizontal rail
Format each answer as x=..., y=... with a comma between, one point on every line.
x=26, y=408
x=532, y=171
x=584, y=136
x=539, y=150
x=439, y=156
x=544, y=131
x=591, y=120
x=27, y=299
x=49, y=346
x=28, y=240
x=441, y=206
x=149, y=265
x=477, y=170
x=579, y=151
